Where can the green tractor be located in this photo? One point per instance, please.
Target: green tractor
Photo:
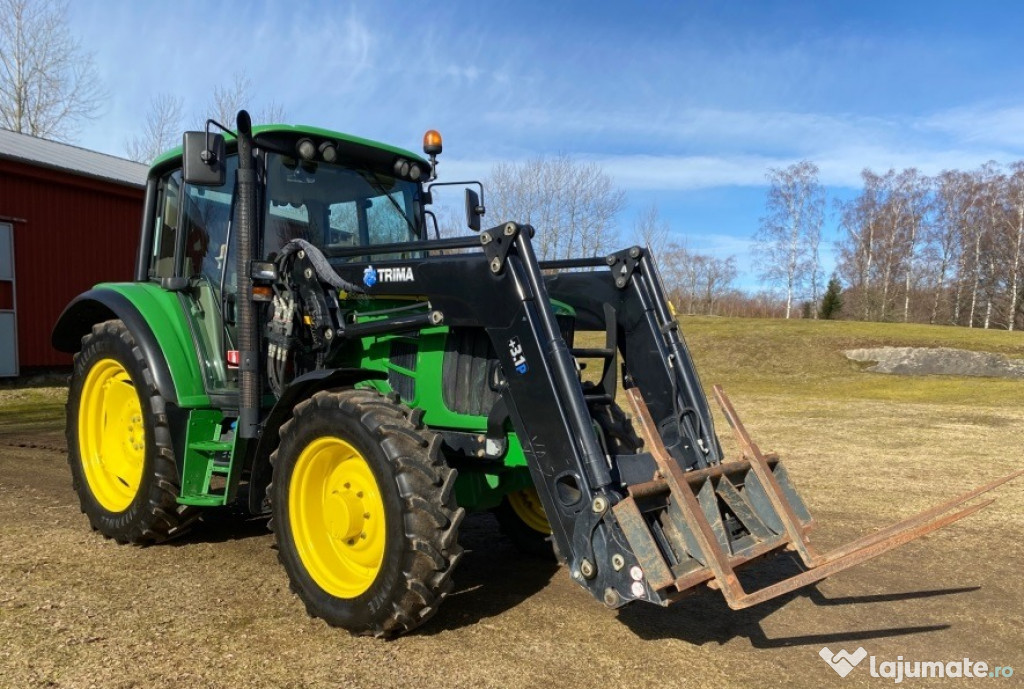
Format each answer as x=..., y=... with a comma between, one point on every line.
x=296, y=342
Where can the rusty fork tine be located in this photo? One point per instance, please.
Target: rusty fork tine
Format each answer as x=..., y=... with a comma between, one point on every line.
x=810, y=557
x=851, y=559
x=916, y=520
x=759, y=464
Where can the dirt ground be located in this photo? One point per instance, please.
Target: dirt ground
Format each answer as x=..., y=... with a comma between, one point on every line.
x=213, y=609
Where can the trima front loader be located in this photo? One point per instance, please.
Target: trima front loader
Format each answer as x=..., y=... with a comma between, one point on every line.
x=294, y=341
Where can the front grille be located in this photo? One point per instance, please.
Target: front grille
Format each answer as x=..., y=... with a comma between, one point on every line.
x=469, y=360
x=404, y=353
x=470, y=369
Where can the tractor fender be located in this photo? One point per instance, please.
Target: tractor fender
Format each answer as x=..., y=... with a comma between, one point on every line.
x=98, y=305
x=301, y=388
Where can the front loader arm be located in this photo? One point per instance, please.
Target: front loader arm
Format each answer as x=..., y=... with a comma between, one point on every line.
x=644, y=526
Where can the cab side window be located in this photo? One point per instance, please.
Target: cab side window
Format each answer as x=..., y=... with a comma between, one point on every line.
x=165, y=230
x=206, y=217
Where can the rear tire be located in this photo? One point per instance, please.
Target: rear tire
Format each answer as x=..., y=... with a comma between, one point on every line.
x=119, y=445
x=364, y=512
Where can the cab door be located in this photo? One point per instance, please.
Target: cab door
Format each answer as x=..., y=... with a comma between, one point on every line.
x=192, y=256
x=209, y=264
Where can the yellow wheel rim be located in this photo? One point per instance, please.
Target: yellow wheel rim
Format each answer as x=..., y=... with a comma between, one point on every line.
x=337, y=517
x=526, y=504
x=111, y=435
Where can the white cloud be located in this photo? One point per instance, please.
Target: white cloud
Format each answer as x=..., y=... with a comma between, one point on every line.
x=982, y=123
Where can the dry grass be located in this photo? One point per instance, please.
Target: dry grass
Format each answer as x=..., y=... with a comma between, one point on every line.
x=214, y=610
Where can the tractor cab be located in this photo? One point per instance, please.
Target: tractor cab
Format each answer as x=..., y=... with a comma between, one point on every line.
x=334, y=191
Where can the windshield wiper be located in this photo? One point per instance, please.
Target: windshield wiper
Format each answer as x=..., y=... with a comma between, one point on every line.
x=371, y=178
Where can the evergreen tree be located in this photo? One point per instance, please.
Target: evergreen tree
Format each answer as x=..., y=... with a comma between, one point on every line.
x=832, y=302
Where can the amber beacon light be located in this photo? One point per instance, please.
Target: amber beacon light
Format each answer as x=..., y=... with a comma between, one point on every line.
x=432, y=147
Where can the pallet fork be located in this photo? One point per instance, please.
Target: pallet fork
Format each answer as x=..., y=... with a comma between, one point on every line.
x=677, y=524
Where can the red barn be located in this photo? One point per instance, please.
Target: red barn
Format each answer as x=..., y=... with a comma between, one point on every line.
x=69, y=218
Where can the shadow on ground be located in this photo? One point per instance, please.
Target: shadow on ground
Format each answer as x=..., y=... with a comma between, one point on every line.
x=705, y=617
x=492, y=577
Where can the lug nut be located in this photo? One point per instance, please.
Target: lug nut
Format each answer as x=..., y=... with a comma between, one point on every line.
x=587, y=568
x=618, y=562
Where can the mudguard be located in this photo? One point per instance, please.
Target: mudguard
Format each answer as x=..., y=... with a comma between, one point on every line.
x=301, y=388
x=155, y=319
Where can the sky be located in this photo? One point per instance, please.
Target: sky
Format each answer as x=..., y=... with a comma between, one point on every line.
x=684, y=105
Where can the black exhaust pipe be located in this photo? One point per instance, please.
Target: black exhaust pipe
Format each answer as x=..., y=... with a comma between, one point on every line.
x=248, y=365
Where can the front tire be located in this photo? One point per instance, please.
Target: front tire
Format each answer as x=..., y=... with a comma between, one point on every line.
x=119, y=444
x=364, y=511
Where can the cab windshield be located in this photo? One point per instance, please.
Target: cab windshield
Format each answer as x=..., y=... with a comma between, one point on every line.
x=336, y=208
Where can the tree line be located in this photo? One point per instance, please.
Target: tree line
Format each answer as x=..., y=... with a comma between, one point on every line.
x=943, y=249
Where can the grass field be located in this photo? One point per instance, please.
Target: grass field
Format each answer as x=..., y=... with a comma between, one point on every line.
x=213, y=608
x=805, y=359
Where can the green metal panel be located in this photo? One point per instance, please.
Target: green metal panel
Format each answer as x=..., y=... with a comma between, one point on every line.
x=162, y=311
x=479, y=491
x=474, y=491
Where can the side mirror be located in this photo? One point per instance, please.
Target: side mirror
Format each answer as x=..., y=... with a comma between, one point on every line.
x=204, y=159
x=473, y=210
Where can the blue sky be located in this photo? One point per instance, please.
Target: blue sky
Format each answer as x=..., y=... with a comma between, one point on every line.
x=683, y=104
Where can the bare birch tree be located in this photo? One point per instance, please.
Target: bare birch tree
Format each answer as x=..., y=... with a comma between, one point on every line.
x=791, y=229
x=911, y=190
x=572, y=205
x=955, y=194
x=651, y=230
x=1013, y=226
x=228, y=98
x=48, y=83
x=162, y=131
x=860, y=220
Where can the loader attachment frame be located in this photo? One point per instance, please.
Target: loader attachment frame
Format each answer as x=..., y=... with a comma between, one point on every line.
x=691, y=494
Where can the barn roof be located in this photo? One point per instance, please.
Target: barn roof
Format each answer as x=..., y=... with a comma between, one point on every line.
x=81, y=161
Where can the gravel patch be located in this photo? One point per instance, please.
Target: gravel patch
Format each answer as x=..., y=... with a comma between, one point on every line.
x=943, y=361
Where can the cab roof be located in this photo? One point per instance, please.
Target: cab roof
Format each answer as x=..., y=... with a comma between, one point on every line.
x=175, y=153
